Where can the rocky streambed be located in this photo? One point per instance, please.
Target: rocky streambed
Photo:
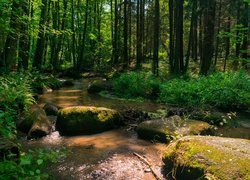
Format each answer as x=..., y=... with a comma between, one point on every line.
x=116, y=152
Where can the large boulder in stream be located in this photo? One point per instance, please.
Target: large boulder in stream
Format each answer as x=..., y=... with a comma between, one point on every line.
x=166, y=129
x=41, y=124
x=206, y=157
x=82, y=120
x=98, y=85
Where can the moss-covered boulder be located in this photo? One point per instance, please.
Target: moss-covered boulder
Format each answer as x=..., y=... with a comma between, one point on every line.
x=212, y=117
x=166, y=129
x=98, y=86
x=41, y=126
x=82, y=120
x=208, y=157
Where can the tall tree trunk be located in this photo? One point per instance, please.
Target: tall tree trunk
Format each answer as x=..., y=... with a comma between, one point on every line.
x=138, y=34
x=190, y=41
x=195, y=32
x=125, y=36
x=245, y=23
x=178, y=21
x=10, y=48
x=217, y=35
x=115, y=46
x=171, y=35
x=80, y=62
x=23, y=62
x=73, y=46
x=156, y=38
x=40, y=47
x=227, y=43
x=208, y=39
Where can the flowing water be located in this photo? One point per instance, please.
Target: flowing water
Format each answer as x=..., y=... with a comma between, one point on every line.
x=109, y=155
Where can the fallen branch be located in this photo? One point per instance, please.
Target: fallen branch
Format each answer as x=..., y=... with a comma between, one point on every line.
x=148, y=164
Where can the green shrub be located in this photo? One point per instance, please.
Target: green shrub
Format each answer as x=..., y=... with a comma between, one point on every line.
x=7, y=124
x=31, y=165
x=38, y=81
x=15, y=92
x=220, y=90
x=136, y=85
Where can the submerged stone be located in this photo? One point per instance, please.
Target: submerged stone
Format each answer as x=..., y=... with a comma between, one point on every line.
x=166, y=129
x=205, y=157
x=82, y=120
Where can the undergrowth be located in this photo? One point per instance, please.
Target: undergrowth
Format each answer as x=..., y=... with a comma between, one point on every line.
x=220, y=90
x=16, y=96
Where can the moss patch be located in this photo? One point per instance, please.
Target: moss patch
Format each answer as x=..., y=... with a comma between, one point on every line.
x=86, y=120
x=208, y=158
x=167, y=129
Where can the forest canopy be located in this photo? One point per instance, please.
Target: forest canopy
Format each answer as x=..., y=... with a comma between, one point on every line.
x=96, y=35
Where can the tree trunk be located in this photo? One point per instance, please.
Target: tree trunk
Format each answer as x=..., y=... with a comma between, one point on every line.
x=156, y=38
x=40, y=47
x=208, y=38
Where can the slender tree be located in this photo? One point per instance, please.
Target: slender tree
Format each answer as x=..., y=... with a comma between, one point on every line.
x=208, y=38
x=156, y=38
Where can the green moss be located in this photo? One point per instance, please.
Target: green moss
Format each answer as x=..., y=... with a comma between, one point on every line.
x=165, y=130
x=197, y=157
x=86, y=120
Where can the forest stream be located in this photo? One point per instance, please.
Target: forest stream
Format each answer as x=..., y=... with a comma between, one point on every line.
x=112, y=154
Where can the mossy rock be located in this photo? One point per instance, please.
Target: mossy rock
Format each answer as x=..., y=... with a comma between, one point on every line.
x=212, y=117
x=164, y=130
x=98, y=86
x=41, y=126
x=83, y=120
x=205, y=157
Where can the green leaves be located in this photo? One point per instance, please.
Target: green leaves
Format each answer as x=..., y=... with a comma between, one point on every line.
x=39, y=161
x=31, y=165
x=221, y=90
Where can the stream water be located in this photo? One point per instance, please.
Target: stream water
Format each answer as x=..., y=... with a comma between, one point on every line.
x=109, y=155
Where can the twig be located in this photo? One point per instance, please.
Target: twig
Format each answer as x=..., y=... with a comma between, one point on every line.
x=148, y=164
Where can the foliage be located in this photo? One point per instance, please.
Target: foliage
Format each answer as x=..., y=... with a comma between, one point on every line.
x=15, y=92
x=7, y=125
x=136, y=85
x=39, y=80
x=31, y=164
x=222, y=90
